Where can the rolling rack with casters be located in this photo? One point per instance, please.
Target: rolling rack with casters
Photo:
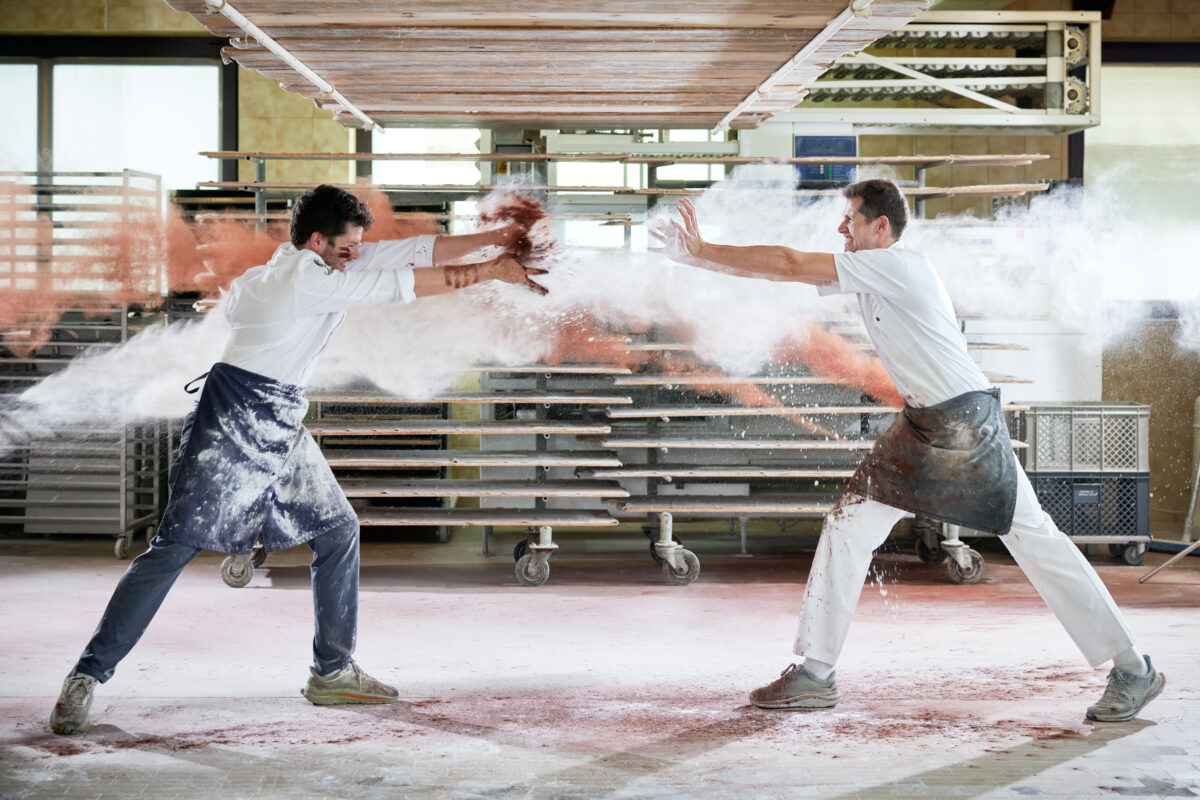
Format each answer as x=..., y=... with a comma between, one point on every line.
x=392, y=458
x=787, y=455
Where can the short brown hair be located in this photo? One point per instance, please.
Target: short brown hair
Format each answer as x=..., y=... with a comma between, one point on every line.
x=327, y=210
x=881, y=197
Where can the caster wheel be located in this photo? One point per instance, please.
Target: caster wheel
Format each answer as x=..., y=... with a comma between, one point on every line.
x=972, y=574
x=1132, y=557
x=258, y=557
x=654, y=551
x=1117, y=550
x=691, y=569
x=930, y=555
x=121, y=547
x=237, y=571
x=528, y=575
x=520, y=550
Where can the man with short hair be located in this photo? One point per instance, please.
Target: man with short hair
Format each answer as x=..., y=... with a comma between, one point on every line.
x=246, y=464
x=948, y=455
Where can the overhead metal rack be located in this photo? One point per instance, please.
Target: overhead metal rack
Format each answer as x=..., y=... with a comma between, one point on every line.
x=984, y=71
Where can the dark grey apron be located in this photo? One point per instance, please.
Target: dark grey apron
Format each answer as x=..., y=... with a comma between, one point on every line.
x=952, y=462
x=247, y=464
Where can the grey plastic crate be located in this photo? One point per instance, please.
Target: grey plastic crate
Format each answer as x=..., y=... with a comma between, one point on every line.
x=1087, y=437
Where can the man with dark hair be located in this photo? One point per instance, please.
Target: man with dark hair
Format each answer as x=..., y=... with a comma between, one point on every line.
x=246, y=465
x=948, y=455
x=326, y=210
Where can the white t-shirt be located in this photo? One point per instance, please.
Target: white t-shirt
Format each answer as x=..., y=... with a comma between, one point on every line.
x=911, y=322
x=284, y=313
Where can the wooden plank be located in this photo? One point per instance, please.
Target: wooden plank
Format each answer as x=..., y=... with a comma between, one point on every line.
x=927, y=192
x=475, y=517
x=446, y=427
x=746, y=472
x=391, y=487
x=751, y=444
x=537, y=157
x=557, y=369
x=738, y=444
x=724, y=505
x=656, y=160
x=566, y=56
x=529, y=15
x=386, y=459
x=481, y=398
x=59, y=500
x=1006, y=160
x=717, y=410
x=994, y=346
x=722, y=380
x=607, y=40
x=118, y=524
x=471, y=188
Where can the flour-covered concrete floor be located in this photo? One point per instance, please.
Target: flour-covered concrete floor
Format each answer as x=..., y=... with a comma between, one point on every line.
x=603, y=683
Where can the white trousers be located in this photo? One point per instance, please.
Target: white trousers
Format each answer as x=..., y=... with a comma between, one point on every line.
x=1051, y=561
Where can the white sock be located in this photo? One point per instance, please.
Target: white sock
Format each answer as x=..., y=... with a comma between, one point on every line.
x=818, y=669
x=1131, y=660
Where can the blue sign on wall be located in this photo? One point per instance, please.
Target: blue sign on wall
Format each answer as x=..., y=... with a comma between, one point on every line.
x=825, y=146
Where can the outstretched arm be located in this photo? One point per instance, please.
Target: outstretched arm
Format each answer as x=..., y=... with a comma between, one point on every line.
x=441, y=279
x=449, y=250
x=683, y=243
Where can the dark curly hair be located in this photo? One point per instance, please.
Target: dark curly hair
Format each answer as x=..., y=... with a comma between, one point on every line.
x=326, y=210
x=881, y=198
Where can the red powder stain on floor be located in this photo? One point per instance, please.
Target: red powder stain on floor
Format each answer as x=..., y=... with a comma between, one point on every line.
x=333, y=731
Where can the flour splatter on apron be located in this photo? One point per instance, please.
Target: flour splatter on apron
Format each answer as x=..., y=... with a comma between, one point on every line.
x=247, y=465
x=952, y=462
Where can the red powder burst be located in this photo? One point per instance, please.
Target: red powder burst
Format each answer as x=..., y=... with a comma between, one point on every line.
x=510, y=207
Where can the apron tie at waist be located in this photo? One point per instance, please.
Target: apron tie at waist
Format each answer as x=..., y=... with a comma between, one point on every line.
x=190, y=387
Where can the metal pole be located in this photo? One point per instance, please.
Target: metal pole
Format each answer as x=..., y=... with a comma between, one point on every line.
x=1184, y=552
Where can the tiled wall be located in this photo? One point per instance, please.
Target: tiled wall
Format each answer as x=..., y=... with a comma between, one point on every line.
x=271, y=120
x=94, y=16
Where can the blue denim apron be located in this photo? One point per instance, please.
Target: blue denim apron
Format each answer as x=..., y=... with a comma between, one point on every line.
x=952, y=462
x=246, y=464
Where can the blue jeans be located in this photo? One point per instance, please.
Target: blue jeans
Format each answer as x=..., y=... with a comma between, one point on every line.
x=151, y=575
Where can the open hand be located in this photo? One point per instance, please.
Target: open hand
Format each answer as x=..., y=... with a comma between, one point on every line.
x=681, y=243
x=508, y=269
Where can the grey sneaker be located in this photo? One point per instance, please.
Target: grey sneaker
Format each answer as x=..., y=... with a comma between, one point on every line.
x=797, y=689
x=1127, y=694
x=70, y=714
x=348, y=685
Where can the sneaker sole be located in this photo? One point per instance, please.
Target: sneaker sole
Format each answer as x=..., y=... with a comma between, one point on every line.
x=800, y=702
x=69, y=730
x=1155, y=690
x=337, y=699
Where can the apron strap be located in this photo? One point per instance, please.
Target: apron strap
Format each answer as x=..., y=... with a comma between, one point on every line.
x=188, y=387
